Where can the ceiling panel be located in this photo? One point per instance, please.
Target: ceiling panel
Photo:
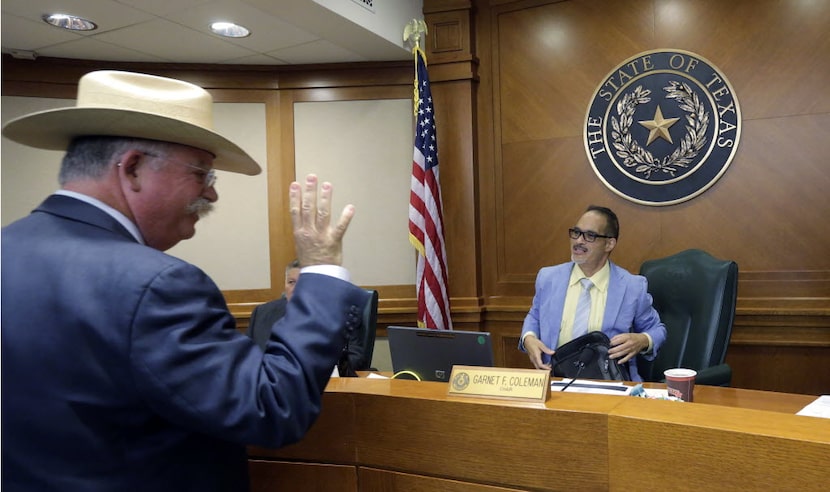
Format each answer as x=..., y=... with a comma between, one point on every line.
x=283, y=31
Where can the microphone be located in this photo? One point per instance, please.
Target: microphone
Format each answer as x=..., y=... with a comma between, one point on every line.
x=585, y=356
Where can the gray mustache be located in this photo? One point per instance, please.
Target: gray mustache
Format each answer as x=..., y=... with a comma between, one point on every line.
x=200, y=206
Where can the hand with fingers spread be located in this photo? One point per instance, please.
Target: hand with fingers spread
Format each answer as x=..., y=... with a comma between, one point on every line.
x=317, y=240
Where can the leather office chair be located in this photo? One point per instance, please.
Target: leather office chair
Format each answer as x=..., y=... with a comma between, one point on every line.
x=368, y=329
x=695, y=295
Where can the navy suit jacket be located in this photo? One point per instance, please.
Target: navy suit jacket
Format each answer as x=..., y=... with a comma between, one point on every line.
x=628, y=309
x=122, y=368
x=266, y=315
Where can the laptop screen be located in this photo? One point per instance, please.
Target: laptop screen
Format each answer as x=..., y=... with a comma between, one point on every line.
x=430, y=354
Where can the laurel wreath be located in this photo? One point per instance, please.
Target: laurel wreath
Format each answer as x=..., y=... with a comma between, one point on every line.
x=697, y=119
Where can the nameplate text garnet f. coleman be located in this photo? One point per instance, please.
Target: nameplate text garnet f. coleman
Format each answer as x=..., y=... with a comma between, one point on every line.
x=499, y=382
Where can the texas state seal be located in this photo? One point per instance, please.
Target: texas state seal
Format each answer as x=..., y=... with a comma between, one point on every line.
x=461, y=381
x=662, y=127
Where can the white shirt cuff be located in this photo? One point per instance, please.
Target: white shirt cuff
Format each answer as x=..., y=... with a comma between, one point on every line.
x=650, y=344
x=336, y=271
x=527, y=334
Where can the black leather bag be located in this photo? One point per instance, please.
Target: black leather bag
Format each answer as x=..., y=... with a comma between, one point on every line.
x=586, y=357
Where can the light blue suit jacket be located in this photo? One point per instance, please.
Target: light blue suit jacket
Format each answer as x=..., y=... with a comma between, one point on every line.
x=628, y=309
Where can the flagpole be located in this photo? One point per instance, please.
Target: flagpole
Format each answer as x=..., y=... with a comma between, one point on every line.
x=426, y=222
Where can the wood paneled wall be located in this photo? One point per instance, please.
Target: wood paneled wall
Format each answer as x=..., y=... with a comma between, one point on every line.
x=534, y=66
x=512, y=82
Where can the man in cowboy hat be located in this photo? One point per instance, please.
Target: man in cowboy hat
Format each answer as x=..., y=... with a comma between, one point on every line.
x=122, y=367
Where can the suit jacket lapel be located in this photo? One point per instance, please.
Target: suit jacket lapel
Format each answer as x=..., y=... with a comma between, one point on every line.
x=613, y=302
x=79, y=211
x=557, y=300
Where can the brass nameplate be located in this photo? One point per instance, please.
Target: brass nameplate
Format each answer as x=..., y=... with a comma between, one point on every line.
x=500, y=382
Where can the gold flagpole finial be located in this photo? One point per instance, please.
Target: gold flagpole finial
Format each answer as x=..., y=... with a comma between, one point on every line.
x=413, y=31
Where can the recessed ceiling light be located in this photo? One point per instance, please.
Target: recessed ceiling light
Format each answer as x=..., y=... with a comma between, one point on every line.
x=71, y=22
x=229, y=30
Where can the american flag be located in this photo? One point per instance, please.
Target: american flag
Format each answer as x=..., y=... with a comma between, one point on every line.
x=426, y=222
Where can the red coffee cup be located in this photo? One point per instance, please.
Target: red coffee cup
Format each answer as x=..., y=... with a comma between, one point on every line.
x=680, y=383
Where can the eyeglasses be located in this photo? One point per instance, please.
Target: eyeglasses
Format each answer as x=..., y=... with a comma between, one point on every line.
x=589, y=236
x=206, y=176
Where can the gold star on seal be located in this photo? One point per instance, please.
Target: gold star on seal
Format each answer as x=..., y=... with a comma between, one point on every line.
x=659, y=126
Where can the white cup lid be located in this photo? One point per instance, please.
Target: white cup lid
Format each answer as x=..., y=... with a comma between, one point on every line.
x=680, y=373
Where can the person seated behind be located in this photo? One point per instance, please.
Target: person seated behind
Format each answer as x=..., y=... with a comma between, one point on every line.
x=622, y=306
x=265, y=315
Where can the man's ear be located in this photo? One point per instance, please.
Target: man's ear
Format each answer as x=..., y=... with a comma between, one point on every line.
x=128, y=168
x=610, y=244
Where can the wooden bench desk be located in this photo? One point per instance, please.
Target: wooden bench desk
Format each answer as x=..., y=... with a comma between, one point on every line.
x=388, y=435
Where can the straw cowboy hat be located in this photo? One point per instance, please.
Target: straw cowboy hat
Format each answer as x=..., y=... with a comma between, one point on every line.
x=127, y=104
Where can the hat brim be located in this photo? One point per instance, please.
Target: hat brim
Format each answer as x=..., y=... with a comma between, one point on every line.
x=54, y=129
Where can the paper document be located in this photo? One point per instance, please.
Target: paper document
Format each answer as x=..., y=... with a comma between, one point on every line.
x=589, y=386
x=819, y=408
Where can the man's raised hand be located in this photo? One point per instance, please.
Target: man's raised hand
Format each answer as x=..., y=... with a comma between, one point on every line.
x=317, y=240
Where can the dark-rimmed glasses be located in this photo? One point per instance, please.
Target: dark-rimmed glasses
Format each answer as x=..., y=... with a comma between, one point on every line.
x=589, y=236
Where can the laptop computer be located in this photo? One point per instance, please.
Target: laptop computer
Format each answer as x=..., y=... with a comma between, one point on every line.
x=430, y=354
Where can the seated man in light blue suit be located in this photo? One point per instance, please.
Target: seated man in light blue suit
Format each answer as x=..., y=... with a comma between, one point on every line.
x=617, y=302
